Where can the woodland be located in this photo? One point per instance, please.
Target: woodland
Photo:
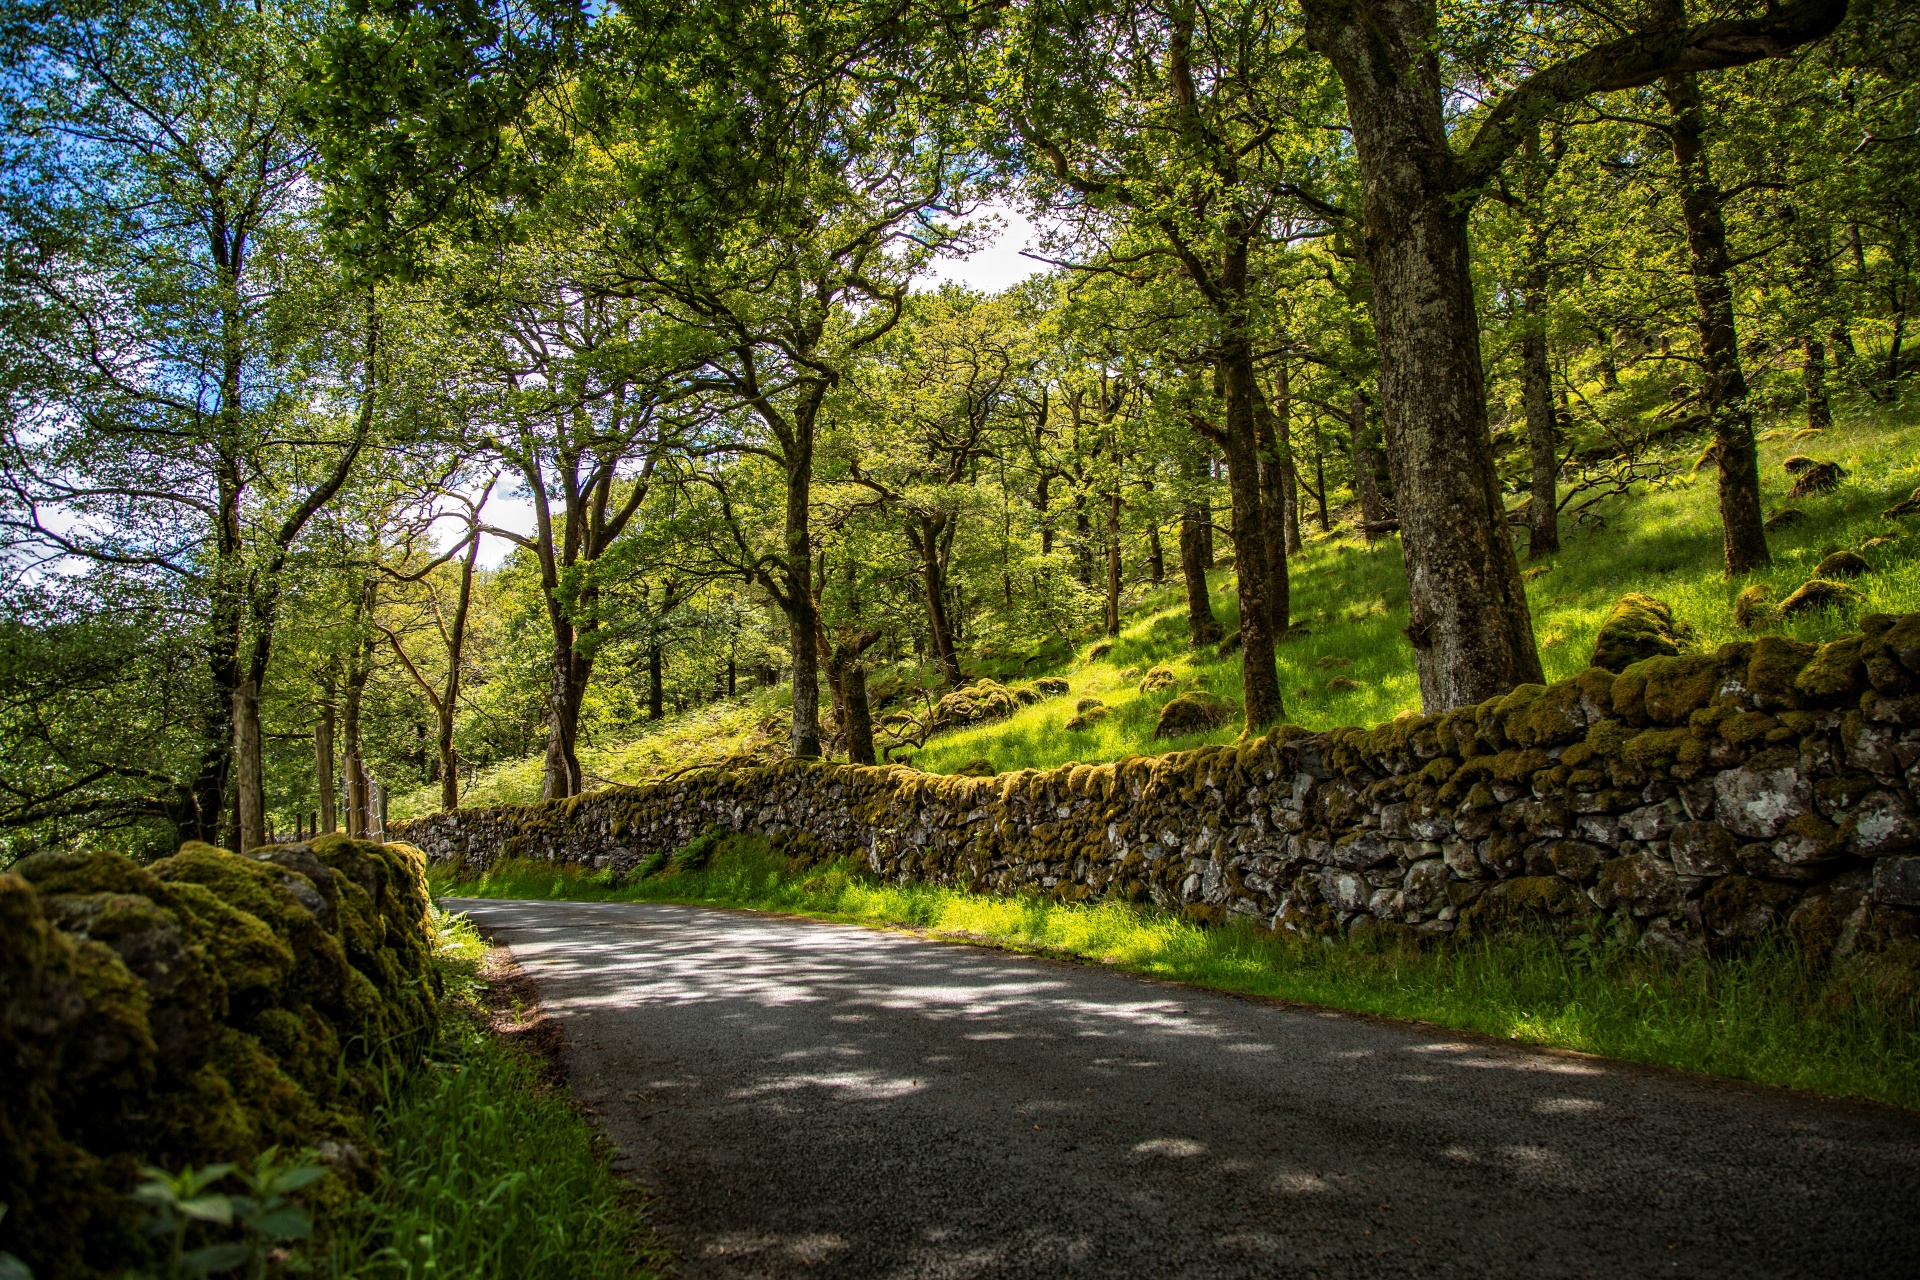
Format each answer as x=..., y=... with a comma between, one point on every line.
x=405, y=395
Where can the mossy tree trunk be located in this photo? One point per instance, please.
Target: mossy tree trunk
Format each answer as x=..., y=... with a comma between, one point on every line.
x=1273, y=512
x=1113, y=558
x=1724, y=383
x=324, y=767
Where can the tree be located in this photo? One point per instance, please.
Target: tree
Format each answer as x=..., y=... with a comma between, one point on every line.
x=1470, y=628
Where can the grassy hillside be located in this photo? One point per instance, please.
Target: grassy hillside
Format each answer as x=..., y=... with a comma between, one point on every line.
x=1353, y=664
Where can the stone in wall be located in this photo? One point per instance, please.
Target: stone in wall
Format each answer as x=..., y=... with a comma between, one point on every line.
x=1704, y=797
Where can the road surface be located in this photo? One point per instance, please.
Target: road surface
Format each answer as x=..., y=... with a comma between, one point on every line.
x=808, y=1099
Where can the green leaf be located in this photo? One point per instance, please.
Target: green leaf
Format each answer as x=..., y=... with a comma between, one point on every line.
x=215, y=1258
x=209, y=1209
x=297, y=1178
x=289, y=1222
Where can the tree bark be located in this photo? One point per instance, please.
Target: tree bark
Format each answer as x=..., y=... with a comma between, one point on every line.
x=1113, y=561
x=1813, y=381
x=351, y=763
x=1743, y=533
x=1202, y=627
x=1273, y=513
x=1289, y=468
x=1366, y=488
x=1156, y=556
x=1536, y=394
x=1261, y=587
x=925, y=540
x=802, y=618
x=252, y=791
x=323, y=762
x=859, y=717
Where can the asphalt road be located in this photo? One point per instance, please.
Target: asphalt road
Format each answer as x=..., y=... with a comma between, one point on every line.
x=809, y=1099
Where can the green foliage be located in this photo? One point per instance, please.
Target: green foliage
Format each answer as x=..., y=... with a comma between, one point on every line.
x=266, y=1219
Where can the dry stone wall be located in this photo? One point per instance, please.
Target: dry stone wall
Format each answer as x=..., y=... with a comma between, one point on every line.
x=1704, y=797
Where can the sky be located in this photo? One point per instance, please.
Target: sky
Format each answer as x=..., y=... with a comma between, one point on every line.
x=997, y=265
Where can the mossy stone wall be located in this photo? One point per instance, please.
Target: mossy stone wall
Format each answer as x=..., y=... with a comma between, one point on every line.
x=1698, y=798
x=196, y=1010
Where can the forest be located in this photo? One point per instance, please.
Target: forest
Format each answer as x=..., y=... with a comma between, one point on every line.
x=409, y=403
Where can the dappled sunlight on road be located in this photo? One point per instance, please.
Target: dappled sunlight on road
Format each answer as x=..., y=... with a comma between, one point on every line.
x=811, y=1098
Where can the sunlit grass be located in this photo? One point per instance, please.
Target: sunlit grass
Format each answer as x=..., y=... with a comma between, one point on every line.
x=1352, y=600
x=1349, y=661
x=1765, y=1015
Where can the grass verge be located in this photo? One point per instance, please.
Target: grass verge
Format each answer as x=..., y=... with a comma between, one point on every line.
x=486, y=1169
x=1765, y=1015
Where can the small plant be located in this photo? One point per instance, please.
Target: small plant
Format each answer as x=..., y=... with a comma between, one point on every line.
x=266, y=1217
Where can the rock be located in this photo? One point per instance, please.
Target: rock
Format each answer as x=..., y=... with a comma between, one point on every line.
x=1896, y=882
x=1740, y=907
x=1088, y=718
x=1817, y=477
x=1752, y=607
x=982, y=768
x=1905, y=507
x=1052, y=686
x=1797, y=463
x=1828, y=919
x=1703, y=849
x=1758, y=799
x=1874, y=544
x=1539, y=899
x=1088, y=704
x=1361, y=851
x=1842, y=564
x=1651, y=822
x=1340, y=684
x=1331, y=663
x=1881, y=822
x=1426, y=885
x=1818, y=594
x=1782, y=519
x=1640, y=882
x=1158, y=678
x=1675, y=942
x=1639, y=627
x=1462, y=860
x=976, y=703
x=1195, y=711
x=1229, y=645
x=1099, y=650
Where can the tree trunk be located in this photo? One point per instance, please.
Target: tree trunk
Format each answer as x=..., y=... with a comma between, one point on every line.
x=926, y=541
x=802, y=618
x=1261, y=587
x=1813, y=380
x=1365, y=487
x=323, y=763
x=1113, y=562
x=1273, y=513
x=1471, y=632
x=246, y=749
x=562, y=772
x=1744, y=536
x=656, y=695
x=859, y=718
x=351, y=764
x=1202, y=627
x=1289, y=469
x=1320, y=477
x=1156, y=557
x=1536, y=394
x=1082, y=541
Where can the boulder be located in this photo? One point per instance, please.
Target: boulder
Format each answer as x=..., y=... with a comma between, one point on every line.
x=1157, y=679
x=1816, y=595
x=1842, y=564
x=1196, y=711
x=1817, y=477
x=1783, y=518
x=1639, y=627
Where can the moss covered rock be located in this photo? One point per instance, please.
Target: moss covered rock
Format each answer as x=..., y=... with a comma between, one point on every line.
x=196, y=1011
x=1195, y=711
x=1818, y=594
x=1639, y=627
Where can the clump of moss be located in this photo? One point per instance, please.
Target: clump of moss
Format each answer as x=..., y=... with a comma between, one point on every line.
x=1842, y=564
x=1818, y=594
x=1195, y=711
x=1752, y=608
x=1816, y=477
x=1157, y=679
x=1639, y=627
x=196, y=1011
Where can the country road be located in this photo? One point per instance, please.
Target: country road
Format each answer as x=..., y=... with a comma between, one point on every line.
x=809, y=1099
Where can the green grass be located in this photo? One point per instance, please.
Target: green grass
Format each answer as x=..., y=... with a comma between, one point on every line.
x=484, y=1170
x=1352, y=599
x=1763, y=1015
